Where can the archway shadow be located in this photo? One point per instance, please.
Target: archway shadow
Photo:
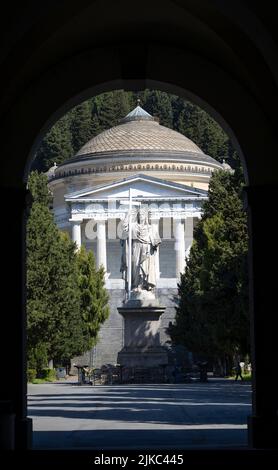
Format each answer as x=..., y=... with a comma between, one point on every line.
x=187, y=415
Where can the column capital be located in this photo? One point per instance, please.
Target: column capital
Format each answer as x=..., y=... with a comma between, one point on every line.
x=76, y=221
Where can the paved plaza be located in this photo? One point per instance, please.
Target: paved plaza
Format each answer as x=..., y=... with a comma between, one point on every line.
x=212, y=414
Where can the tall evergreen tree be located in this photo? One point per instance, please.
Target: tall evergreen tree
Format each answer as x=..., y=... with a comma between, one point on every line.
x=93, y=295
x=55, y=328
x=67, y=329
x=123, y=104
x=95, y=126
x=197, y=125
x=56, y=147
x=213, y=140
x=107, y=111
x=159, y=105
x=212, y=314
x=81, y=125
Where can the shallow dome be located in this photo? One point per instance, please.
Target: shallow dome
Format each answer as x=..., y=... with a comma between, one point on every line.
x=139, y=143
x=138, y=134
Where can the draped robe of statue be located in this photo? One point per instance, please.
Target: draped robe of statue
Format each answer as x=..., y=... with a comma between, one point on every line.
x=145, y=241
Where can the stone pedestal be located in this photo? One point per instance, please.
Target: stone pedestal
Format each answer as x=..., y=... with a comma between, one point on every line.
x=142, y=346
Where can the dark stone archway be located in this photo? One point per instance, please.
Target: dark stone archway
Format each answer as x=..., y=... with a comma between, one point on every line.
x=222, y=57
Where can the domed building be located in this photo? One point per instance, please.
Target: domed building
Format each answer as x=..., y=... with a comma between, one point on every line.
x=156, y=167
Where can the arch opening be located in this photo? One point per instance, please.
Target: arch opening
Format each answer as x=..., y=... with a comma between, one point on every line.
x=81, y=170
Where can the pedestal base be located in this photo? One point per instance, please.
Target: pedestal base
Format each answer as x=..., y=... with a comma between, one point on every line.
x=142, y=346
x=129, y=357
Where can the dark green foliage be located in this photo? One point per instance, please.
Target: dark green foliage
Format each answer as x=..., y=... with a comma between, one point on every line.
x=47, y=374
x=123, y=102
x=81, y=127
x=36, y=352
x=198, y=126
x=31, y=375
x=106, y=111
x=95, y=126
x=101, y=112
x=111, y=107
x=158, y=104
x=212, y=315
x=66, y=325
x=37, y=185
x=94, y=296
x=56, y=147
x=56, y=325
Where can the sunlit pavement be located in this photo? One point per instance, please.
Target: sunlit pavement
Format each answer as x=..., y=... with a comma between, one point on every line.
x=212, y=414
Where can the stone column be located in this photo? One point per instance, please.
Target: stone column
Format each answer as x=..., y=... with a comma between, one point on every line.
x=15, y=427
x=189, y=224
x=155, y=225
x=101, y=244
x=76, y=232
x=179, y=246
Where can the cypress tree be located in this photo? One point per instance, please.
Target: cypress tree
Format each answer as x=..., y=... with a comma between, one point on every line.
x=93, y=295
x=55, y=328
x=95, y=127
x=81, y=125
x=212, y=313
x=158, y=104
x=56, y=147
x=122, y=103
x=107, y=111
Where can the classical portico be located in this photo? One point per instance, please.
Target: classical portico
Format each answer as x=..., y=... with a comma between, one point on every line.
x=95, y=215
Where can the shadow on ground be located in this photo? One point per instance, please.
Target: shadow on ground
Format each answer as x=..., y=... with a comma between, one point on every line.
x=138, y=416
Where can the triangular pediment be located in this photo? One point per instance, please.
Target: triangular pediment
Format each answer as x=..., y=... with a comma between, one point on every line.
x=142, y=186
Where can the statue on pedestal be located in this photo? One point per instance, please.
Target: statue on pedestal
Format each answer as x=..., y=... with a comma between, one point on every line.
x=145, y=240
x=141, y=310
